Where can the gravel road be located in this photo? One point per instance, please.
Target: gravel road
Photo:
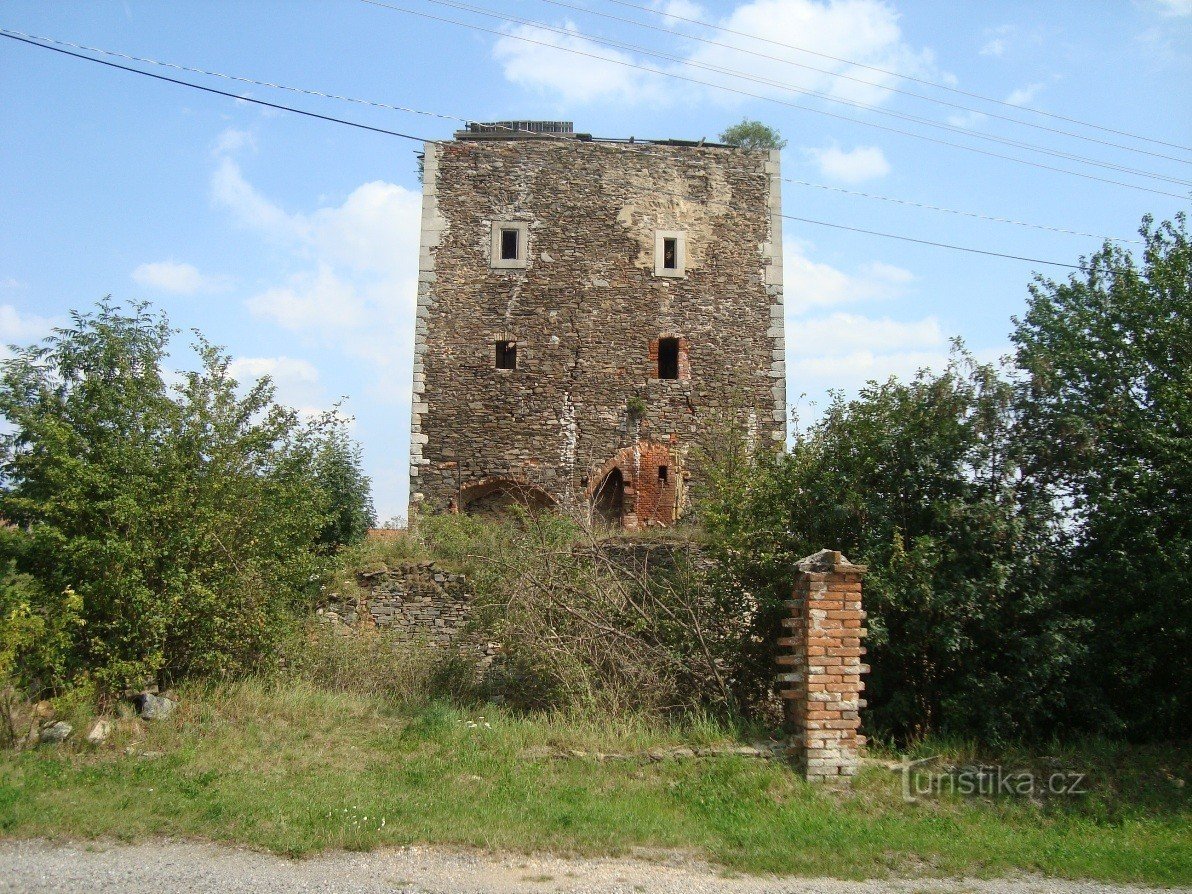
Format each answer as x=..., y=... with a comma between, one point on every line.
x=174, y=867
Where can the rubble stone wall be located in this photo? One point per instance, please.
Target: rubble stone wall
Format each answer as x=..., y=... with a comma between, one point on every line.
x=586, y=311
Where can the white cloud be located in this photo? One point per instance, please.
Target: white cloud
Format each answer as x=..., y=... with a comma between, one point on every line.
x=1023, y=95
x=1175, y=7
x=317, y=301
x=843, y=334
x=10, y=283
x=234, y=140
x=20, y=328
x=810, y=284
x=853, y=166
x=684, y=8
x=182, y=279
x=297, y=381
x=865, y=31
x=994, y=47
x=549, y=62
x=348, y=284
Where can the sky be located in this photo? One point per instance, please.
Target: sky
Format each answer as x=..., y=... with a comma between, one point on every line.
x=293, y=241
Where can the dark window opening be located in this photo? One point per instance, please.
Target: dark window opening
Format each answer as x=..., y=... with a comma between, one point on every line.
x=663, y=474
x=509, y=245
x=506, y=355
x=670, y=254
x=668, y=358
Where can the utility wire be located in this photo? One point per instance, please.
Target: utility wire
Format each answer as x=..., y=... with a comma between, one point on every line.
x=405, y=136
x=827, y=97
x=31, y=38
x=764, y=98
x=885, y=71
x=892, y=89
x=236, y=96
x=229, y=77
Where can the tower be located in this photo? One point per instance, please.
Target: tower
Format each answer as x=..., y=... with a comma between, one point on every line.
x=588, y=310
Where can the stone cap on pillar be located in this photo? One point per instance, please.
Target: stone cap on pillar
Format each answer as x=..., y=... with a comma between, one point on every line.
x=829, y=560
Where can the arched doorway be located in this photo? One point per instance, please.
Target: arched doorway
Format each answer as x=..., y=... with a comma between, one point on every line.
x=495, y=497
x=608, y=500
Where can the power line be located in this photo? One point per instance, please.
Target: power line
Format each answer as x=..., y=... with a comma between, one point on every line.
x=236, y=96
x=792, y=105
x=230, y=77
x=827, y=97
x=461, y=120
x=845, y=77
x=392, y=133
x=885, y=71
x=973, y=214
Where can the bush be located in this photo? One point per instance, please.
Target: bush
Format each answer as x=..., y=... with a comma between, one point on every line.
x=919, y=481
x=581, y=628
x=186, y=518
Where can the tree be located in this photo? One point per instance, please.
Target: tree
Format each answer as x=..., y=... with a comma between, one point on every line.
x=339, y=472
x=753, y=135
x=184, y=517
x=1106, y=406
x=919, y=481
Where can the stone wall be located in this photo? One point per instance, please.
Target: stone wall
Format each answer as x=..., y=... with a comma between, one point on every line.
x=822, y=673
x=416, y=601
x=586, y=311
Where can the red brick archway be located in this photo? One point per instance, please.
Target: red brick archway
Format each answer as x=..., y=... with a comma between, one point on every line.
x=640, y=486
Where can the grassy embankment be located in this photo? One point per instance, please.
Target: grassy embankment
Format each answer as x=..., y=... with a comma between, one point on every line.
x=294, y=768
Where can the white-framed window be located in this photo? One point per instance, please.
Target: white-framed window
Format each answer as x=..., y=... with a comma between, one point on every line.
x=670, y=253
x=510, y=244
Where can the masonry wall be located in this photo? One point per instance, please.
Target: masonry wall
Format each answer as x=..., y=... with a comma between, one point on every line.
x=586, y=312
x=822, y=672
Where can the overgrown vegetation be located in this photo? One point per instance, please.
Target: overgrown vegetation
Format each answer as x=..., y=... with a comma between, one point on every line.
x=752, y=135
x=1028, y=531
x=161, y=530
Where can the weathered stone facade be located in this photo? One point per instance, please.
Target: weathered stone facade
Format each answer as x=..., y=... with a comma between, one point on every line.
x=568, y=262
x=417, y=601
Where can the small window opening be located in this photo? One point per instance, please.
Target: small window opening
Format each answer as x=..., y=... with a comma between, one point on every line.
x=668, y=358
x=509, y=245
x=506, y=355
x=663, y=474
x=670, y=253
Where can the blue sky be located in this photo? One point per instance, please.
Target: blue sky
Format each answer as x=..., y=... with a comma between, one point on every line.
x=293, y=242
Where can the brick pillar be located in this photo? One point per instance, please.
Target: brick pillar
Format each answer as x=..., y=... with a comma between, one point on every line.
x=822, y=675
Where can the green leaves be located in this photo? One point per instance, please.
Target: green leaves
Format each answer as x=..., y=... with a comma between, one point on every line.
x=1106, y=410
x=190, y=519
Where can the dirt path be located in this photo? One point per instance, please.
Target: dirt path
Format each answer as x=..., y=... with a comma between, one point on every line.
x=172, y=867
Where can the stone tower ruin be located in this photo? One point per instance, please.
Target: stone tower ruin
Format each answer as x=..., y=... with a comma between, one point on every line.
x=588, y=311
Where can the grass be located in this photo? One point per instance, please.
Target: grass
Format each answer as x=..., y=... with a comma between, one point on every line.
x=296, y=768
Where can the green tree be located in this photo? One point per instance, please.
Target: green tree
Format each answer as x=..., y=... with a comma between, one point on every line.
x=183, y=516
x=919, y=481
x=753, y=135
x=340, y=474
x=1106, y=406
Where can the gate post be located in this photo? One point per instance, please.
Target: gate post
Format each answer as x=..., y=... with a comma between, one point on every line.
x=822, y=673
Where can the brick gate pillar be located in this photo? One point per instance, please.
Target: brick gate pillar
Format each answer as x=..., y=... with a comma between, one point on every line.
x=822, y=674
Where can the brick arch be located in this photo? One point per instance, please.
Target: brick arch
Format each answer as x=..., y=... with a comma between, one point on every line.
x=496, y=494
x=647, y=498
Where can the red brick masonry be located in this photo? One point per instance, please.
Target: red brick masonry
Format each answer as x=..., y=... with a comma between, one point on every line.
x=823, y=671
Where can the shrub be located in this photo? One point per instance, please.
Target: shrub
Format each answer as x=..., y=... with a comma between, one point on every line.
x=919, y=481
x=185, y=518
